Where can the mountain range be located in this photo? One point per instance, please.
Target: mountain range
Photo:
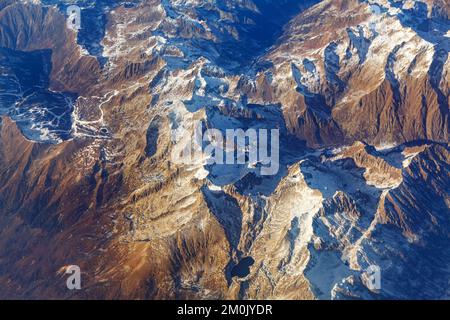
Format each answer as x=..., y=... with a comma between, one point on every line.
x=358, y=89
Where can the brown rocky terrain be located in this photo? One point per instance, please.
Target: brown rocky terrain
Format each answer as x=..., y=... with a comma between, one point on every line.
x=140, y=226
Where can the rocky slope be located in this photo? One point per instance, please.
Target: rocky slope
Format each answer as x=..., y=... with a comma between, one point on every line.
x=358, y=90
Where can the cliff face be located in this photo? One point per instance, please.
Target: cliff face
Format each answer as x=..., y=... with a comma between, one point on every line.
x=28, y=27
x=361, y=102
x=363, y=76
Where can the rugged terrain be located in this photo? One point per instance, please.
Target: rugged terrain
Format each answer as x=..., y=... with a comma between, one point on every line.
x=91, y=120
